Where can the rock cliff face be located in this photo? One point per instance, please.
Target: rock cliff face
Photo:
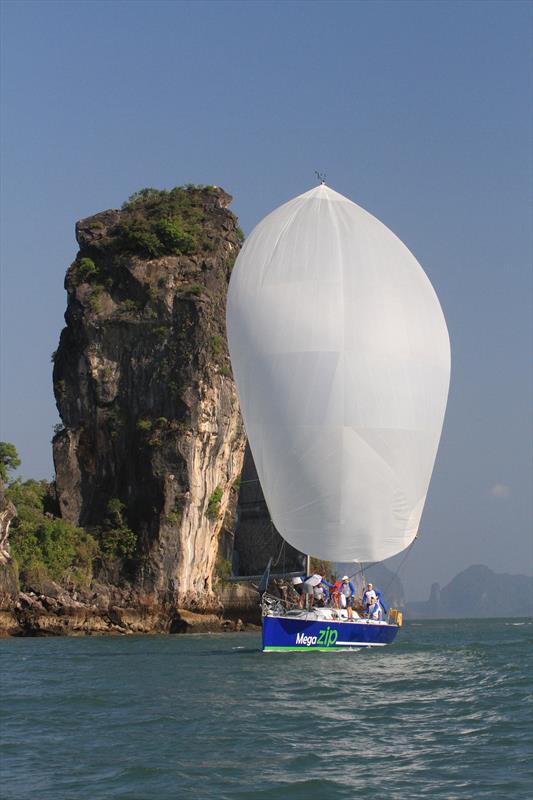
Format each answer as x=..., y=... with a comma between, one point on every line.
x=8, y=578
x=152, y=442
x=7, y=513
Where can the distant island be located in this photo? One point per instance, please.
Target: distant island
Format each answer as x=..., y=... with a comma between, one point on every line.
x=477, y=592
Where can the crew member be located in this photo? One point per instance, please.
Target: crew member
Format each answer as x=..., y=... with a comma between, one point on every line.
x=308, y=589
x=374, y=611
x=369, y=597
x=381, y=601
x=347, y=595
x=336, y=594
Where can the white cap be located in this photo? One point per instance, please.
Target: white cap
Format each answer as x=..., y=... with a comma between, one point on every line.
x=345, y=578
x=296, y=581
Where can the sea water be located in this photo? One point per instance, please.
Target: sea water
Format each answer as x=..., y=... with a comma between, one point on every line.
x=444, y=712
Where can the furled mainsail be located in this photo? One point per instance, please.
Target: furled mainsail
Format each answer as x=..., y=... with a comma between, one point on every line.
x=341, y=356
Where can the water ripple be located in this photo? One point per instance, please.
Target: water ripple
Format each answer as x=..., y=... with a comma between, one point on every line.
x=444, y=714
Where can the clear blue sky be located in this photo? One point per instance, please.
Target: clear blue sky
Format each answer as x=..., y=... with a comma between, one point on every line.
x=420, y=112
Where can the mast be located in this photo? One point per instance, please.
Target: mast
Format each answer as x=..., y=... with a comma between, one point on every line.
x=307, y=574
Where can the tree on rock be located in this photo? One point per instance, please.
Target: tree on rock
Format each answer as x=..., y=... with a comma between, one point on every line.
x=9, y=459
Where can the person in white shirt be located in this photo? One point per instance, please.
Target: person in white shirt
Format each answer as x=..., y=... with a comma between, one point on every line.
x=369, y=597
x=308, y=590
x=375, y=610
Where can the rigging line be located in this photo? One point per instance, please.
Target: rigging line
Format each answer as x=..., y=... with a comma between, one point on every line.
x=282, y=548
x=273, y=532
x=400, y=565
x=362, y=570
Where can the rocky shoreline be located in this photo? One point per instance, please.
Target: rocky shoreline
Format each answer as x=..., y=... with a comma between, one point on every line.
x=56, y=612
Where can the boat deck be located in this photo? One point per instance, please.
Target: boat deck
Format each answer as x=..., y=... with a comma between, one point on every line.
x=327, y=615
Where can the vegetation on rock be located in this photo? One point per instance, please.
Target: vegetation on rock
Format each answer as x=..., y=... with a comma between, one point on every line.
x=144, y=425
x=9, y=459
x=117, y=540
x=157, y=222
x=86, y=270
x=43, y=545
x=222, y=568
x=213, y=506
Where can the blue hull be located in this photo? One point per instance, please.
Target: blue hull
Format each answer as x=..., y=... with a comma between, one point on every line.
x=285, y=633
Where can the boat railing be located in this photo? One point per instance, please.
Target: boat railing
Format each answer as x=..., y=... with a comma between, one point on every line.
x=272, y=604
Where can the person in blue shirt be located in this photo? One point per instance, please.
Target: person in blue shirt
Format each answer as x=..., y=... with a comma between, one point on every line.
x=375, y=610
x=370, y=597
x=381, y=601
x=347, y=592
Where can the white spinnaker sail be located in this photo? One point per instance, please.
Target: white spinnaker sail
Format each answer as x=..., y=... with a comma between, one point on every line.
x=341, y=357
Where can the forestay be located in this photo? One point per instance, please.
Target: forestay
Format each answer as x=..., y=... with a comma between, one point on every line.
x=342, y=361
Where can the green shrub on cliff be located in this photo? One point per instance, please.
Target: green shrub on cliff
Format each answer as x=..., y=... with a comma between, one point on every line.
x=115, y=508
x=217, y=345
x=194, y=288
x=9, y=459
x=154, y=238
x=44, y=545
x=95, y=298
x=157, y=222
x=86, y=270
x=28, y=496
x=131, y=306
x=142, y=197
x=144, y=425
x=137, y=236
x=174, y=238
x=213, y=506
x=118, y=542
x=222, y=568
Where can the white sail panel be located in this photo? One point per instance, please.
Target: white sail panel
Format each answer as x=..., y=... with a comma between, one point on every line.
x=342, y=362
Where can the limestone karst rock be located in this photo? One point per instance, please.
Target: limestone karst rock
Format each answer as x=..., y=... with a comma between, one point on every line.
x=152, y=440
x=7, y=513
x=8, y=577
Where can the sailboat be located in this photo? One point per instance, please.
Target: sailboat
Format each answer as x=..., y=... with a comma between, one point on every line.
x=341, y=358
